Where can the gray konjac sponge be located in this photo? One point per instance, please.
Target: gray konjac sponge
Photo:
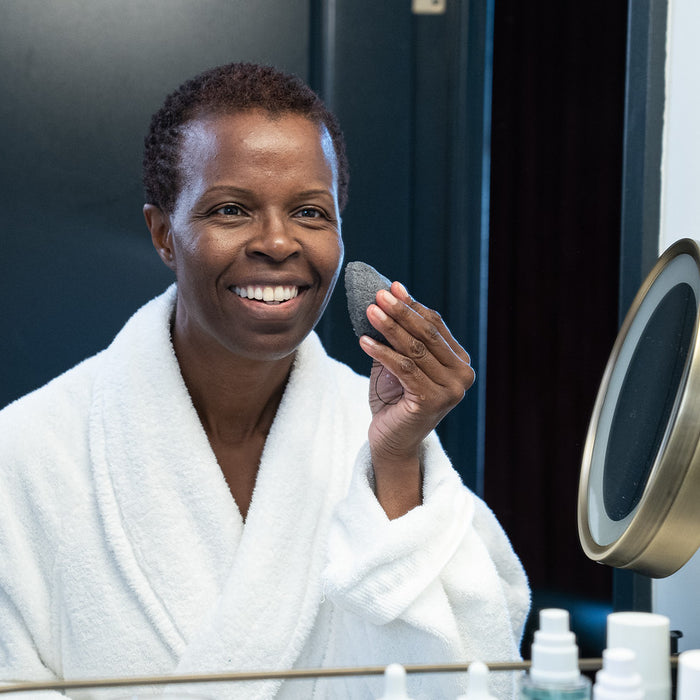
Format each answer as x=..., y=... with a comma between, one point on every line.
x=362, y=282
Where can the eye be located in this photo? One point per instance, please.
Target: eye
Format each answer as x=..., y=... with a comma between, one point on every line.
x=310, y=213
x=229, y=210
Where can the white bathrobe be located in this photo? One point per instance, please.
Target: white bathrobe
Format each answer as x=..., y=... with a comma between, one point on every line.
x=123, y=553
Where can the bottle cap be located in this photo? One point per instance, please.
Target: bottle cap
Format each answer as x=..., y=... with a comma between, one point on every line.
x=477, y=682
x=648, y=636
x=554, y=651
x=689, y=675
x=619, y=678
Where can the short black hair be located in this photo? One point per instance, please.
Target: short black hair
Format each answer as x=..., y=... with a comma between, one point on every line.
x=227, y=89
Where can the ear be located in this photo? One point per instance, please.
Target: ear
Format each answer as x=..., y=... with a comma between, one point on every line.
x=158, y=223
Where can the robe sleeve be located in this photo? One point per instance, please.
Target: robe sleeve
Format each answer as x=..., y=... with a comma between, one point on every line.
x=440, y=584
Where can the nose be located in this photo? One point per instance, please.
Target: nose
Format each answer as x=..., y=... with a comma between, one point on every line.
x=274, y=238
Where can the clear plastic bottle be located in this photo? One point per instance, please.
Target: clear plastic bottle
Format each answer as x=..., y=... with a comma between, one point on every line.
x=554, y=673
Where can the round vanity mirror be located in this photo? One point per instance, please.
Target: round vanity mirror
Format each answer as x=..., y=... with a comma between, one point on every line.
x=639, y=492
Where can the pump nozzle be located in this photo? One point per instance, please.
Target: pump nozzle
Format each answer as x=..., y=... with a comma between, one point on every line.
x=554, y=651
x=477, y=682
x=394, y=683
x=618, y=679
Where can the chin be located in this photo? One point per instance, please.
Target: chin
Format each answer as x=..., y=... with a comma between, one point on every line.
x=269, y=349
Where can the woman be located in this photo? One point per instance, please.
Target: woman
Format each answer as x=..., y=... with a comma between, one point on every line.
x=213, y=492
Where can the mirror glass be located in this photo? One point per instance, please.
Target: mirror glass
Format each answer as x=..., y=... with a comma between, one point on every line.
x=645, y=400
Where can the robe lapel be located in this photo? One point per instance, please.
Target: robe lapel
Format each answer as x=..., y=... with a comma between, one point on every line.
x=271, y=597
x=166, y=509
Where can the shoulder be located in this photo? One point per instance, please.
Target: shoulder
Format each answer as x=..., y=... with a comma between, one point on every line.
x=44, y=434
x=51, y=406
x=57, y=403
x=46, y=429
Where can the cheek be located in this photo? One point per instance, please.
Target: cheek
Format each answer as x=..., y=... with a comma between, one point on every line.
x=333, y=254
x=201, y=251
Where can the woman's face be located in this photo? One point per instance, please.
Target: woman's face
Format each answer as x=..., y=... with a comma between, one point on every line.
x=254, y=237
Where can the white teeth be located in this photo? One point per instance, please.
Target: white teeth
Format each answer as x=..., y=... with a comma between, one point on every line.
x=267, y=294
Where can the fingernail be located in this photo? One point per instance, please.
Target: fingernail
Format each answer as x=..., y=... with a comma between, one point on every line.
x=404, y=291
x=368, y=340
x=379, y=313
x=388, y=297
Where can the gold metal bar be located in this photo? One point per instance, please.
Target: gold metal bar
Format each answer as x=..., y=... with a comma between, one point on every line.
x=584, y=665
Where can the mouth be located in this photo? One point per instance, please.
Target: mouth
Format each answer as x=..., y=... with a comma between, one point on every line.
x=267, y=294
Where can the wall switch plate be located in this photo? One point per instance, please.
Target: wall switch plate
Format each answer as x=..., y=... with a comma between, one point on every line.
x=429, y=7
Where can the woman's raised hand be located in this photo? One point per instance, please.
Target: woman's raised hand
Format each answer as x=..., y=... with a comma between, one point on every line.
x=413, y=385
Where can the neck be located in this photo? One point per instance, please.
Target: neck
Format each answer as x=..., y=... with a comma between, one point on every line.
x=235, y=397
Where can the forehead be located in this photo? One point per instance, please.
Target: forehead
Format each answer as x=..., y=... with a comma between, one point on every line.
x=256, y=138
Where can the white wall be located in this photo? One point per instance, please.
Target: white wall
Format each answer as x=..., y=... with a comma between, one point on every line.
x=680, y=176
x=678, y=596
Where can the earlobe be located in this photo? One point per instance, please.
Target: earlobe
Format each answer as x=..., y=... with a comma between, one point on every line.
x=158, y=224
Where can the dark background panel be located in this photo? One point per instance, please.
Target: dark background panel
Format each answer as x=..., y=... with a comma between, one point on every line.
x=557, y=147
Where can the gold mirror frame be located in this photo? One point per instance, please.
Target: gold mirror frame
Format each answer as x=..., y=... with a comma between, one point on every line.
x=663, y=530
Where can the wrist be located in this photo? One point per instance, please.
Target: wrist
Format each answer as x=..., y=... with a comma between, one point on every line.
x=398, y=484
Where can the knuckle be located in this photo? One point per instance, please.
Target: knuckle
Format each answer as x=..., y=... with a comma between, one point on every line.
x=407, y=366
x=433, y=317
x=433, y=333
x=417, y=349
x=456, y=391
x=469, y=376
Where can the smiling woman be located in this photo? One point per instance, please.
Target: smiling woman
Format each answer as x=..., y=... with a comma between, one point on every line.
x=213, y=492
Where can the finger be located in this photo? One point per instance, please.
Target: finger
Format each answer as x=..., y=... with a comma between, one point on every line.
x=432, y=316
x=411, y=377
x=421, y=345
x=427, y=380
x=424, y=401
x=412, y=334
x=408, y=345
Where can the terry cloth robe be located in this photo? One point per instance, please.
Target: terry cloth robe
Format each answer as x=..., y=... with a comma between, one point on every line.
x=123, y=553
